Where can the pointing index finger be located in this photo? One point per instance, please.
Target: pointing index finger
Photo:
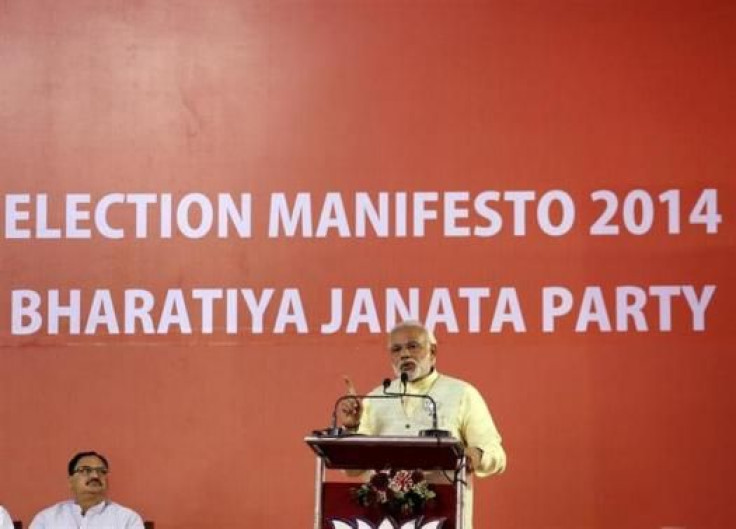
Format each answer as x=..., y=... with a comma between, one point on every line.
x=349, y=385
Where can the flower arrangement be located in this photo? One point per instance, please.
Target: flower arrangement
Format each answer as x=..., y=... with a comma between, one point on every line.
x=396, y=492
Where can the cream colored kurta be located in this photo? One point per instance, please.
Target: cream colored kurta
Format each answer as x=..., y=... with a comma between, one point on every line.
x=460, y=409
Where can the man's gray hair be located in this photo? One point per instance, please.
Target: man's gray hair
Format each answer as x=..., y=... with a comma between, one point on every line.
x=414, y=324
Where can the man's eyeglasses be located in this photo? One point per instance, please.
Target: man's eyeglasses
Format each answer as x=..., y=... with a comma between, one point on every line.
x=87, y=471
x=411, y=347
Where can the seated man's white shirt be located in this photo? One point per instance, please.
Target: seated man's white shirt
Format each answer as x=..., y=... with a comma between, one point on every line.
x=5, y=521
x=104, y=515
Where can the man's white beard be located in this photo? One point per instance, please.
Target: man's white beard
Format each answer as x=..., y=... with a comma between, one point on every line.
x=422, y=368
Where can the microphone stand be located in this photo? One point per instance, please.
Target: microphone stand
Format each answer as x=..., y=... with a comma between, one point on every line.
x=336, y=431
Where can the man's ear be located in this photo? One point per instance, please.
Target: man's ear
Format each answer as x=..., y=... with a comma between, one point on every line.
x=433, y=349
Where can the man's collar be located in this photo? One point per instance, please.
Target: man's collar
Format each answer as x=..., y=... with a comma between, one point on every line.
x=97, y=507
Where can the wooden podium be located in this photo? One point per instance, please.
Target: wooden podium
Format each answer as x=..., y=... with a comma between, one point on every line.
x=333, y=501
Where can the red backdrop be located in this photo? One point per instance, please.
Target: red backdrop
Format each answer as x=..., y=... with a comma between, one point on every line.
x=604, y=428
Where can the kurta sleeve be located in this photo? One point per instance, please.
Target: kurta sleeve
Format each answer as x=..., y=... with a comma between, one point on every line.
x=478, y=430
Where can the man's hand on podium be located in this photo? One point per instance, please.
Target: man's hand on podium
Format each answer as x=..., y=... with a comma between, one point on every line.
x=350, y=409
x=473, y=455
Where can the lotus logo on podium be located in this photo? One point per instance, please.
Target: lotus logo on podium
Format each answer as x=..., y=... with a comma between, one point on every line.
x=388, y=523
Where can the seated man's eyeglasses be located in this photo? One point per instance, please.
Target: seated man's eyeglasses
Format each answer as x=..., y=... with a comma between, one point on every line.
x=87, y=471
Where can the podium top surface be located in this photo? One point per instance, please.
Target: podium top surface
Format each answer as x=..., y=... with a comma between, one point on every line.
x=360, y=452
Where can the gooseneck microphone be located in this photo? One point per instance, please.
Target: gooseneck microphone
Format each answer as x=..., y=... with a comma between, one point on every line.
x=434, y=431
x=404, y=379
x=334, y=429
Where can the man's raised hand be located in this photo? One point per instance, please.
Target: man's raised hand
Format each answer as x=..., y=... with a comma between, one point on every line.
x=350, y=409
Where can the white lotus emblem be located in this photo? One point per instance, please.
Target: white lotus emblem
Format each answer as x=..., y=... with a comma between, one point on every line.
x=387, y=523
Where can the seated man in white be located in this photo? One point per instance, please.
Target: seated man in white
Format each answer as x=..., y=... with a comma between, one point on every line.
x=90, y=507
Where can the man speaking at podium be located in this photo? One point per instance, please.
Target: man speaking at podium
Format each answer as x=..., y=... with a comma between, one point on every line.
x=460, y=408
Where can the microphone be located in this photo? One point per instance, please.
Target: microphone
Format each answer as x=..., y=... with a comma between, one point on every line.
x=404, y=380
x=434, y=431
x=334, y=429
